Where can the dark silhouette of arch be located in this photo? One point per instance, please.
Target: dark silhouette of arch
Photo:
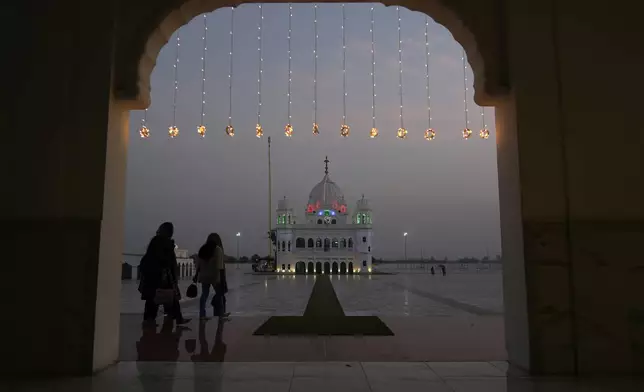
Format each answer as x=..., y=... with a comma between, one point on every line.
x=300, y=267
x=310, y=268
x=318, y=267
x=310, y=243
x=343, y=243
x=350, y=243
x=318, y=243
x=289, y=246
x=333, y=221
x=283, y=267
x=300, y=243
x=343, y=268
x=327, y=267
x=283, y=246
x=334, y=243
x=350, y=268
x=319, y=221
x=334, y=268
x=327, y=244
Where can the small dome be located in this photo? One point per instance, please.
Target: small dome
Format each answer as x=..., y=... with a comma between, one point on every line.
x=283, y=204
x=363, y=205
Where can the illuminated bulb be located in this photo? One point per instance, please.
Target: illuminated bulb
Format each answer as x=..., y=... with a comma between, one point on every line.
x=173, y=131
x=259, y=132
x=467, y=133
x=373, y=133
x=201, y=130
x=144, y=132
x=369, y=269
x=401, y=133
x=484, y=133
x=316, y=129
x=288, y=130
x=430, y=134
x=344, y=130
x=230, y=131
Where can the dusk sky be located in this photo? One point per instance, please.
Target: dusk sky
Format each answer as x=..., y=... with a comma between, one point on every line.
x=444, y=193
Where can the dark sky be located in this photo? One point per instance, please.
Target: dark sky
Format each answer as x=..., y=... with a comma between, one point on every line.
x=444, y=192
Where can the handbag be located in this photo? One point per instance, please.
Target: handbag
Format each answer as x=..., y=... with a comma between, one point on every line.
x=162, y=295
x=192, y=291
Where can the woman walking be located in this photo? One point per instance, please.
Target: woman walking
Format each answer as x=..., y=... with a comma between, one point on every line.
x=158, y=271
x=211, y=272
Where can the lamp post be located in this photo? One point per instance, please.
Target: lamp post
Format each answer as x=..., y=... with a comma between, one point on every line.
x=238, y=235
x=405, y=236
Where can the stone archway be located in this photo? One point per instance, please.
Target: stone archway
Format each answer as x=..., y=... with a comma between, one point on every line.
x=334, y=268
x=343, y=268
x=300, y=267
x=318, y=267
x=327, y=267
x=310, y=268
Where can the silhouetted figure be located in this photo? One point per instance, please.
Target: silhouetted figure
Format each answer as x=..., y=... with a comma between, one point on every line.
x=158, y=271
x=443, y=269
x=208, y=270
x=433, y=271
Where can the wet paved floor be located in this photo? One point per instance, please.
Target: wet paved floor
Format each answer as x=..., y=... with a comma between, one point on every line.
x=317, y=377
x=434, y=318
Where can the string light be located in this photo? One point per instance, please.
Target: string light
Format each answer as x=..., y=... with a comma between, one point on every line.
x=144, y=132
x=374, y=130
x=173, y=131
x=316, y=128
x=259, y=132
x=201, y=129
x=402, y=132
x=230, y=130
x=344, y=129
x=484, y=133
x=467, y=132
x=430, y=134
x=288, y=129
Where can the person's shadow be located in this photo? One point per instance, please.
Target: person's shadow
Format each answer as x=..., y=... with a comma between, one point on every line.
x=155, y=347
x=217, y=354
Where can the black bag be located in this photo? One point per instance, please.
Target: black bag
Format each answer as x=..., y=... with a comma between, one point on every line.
x=192, y=291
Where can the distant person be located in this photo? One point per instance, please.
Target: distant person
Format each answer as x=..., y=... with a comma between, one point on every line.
x=432, y=270
x=158, y=271
x=220, y=283
x=443, y=269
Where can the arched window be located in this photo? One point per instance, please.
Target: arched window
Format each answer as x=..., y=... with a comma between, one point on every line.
x=343, y=243
x=310, y=243
x=318, y=243
x=350, y=243
x=358, y=219
x=319, y=221
x=289, y=246
x=300, y=243
x=283, y=246
x=283, y=267
x=327, y=244
x=364, y=239
x=364, y=263
x=369, y=249
x=289, y=219
x=334, y=243
x=333, y=221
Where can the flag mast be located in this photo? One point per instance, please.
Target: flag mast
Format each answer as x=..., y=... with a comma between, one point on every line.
x=270, y=200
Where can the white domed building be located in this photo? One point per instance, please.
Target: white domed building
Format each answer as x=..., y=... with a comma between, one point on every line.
x=327, y=238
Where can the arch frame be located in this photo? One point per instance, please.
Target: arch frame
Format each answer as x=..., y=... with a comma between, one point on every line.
x=144, y=31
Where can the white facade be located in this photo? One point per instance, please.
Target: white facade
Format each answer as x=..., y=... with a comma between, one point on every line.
x=325, y=238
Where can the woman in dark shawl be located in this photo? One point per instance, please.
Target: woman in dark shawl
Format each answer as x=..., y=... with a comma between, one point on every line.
x=159, y=271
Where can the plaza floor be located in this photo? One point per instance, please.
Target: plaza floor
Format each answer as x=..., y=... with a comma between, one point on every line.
x=458, y=317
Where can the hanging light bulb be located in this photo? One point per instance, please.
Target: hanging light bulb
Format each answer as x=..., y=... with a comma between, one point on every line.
x=259, y=131
x=201, y=130
x=467, y=133
x=316, y=129
x=144, y=132
x=401, y=133
x=430, y=134
x=344, y=130
x=288, y=130
x=373, y=133
x=173, y=131
x=484, y=133
x=230, y=131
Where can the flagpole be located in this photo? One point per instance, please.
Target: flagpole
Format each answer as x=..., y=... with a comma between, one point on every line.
x=270, y=200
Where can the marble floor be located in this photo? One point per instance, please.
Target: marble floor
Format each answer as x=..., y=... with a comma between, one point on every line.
x=314, y=377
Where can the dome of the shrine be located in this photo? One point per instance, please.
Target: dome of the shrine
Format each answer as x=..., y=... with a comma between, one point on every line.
x=363, y=205
x=326, y=192
x=283, y=204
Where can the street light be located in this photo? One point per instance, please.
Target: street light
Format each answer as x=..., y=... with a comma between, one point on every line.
x=405, y=236
x=238, y=235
